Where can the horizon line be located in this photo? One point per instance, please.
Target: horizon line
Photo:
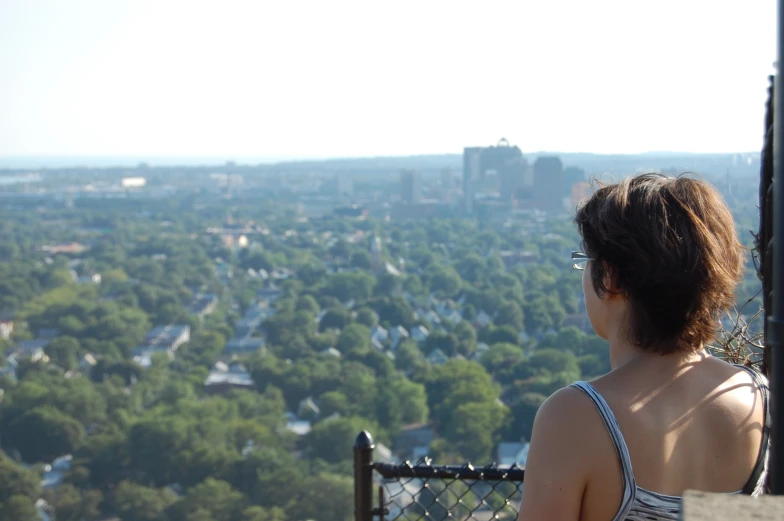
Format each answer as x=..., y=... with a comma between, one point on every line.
x=117, y=161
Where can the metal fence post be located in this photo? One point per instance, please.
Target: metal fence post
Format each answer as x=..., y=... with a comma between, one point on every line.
x=363, y=477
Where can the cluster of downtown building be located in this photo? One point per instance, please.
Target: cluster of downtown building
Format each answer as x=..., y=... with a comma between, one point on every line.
x=494, y=183
x=497, y=181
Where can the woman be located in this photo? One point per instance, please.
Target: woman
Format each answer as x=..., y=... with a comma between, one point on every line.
x=661, y=262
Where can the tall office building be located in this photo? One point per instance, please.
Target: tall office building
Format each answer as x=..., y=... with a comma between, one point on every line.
x=472, y=164
x=512, y=178
x=549, y=184
x=410, y=186
x=501, y=166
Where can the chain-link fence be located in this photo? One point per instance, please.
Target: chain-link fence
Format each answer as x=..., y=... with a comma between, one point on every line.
x=427, y=492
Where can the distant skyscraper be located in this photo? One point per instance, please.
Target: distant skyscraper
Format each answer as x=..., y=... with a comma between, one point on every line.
x=512, y=178
x=549, y=185
x=410, y=186
x=503, y=162
x=472, y=164
x=572, y=176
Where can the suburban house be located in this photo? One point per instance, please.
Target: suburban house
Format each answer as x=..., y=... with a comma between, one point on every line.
x=247, y=325
x=482, y=320
x=6, y=329
x=308, y=410
x=167, y=338
x=223, y=271
x=85, y=279
x=419, y=333
x=73, y=248
x=481, y=348
x=383, y=454
x=31, y=345
x=375, y=342
x=203, y=304
x=396, y=335
x=432, y=318
x=331, y=351
x=437, y=357
x=223, y=378
x=243, y=345
x=281, y=274
x=144, y=359
x=86, y=363
x=512, y=453
x=299, y=427
x=452, y=316
x=48, y=333
x=413, y=442
x=268, y=295
x=32, y=350
x=380, y=334
x=389, y=269
x=54, y=473
x=445, y=306
x=162, y=339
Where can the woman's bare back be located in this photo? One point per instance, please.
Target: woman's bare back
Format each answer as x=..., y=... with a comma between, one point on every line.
x=697, y=425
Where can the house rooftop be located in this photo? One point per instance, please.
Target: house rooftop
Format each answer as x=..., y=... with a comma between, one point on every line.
x=236, y=375
x=299, y=427
x=165, y=338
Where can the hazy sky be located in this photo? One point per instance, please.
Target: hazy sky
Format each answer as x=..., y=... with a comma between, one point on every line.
x=327, y=78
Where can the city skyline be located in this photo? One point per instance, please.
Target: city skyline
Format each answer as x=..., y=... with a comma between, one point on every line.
x=312, y=81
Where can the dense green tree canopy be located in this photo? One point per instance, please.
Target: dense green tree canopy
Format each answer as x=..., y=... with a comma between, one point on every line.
x=151, y=440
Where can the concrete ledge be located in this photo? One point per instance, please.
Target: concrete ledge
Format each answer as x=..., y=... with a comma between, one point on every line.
x=703, y=506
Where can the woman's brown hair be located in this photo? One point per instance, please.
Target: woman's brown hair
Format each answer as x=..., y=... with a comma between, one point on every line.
x=670, y=245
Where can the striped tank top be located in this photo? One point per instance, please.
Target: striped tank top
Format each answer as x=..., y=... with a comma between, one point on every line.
x=639, y=504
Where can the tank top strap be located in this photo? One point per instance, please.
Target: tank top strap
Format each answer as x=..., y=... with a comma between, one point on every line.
x=758, y=378
x=629, y=484
x=757, y=483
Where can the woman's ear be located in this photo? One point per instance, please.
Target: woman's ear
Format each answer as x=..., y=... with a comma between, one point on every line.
x=610, y=280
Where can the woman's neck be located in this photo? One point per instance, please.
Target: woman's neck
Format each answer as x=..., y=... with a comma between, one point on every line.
x=623, y=352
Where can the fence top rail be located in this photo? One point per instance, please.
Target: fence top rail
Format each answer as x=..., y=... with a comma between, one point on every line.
x=425, y=469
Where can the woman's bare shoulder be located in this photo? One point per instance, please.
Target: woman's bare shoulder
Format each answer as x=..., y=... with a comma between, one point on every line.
x=561, y=457
x=569, y=412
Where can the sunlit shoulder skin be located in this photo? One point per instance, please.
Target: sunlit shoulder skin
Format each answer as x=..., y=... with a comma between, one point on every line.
x=558, y=466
